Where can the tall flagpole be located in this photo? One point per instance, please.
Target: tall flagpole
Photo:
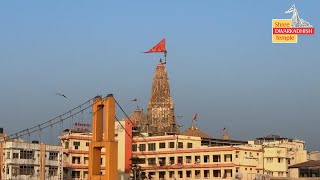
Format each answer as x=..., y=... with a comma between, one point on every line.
x=165, y=57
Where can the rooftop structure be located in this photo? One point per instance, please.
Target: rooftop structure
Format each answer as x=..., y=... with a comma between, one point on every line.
x=306, y=169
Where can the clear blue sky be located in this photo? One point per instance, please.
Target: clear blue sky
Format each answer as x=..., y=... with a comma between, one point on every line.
x=221, y=62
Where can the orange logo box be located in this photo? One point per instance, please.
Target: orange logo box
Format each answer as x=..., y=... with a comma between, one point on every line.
x=283, y=38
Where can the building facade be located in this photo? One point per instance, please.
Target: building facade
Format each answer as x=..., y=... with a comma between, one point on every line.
x=280, y=153
x=183, y=157
x=75, y=146
x=22, y=160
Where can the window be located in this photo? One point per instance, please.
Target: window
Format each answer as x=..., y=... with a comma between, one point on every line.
x=216, y=158
x=162, y=161
x=151, y=175
x=188, y=159
x=206, y=173
x=15, y=170
x=8, y=155
x=15, y=155
x=180, y=160
x=188, y=173
x=85, y=174
x=87, y=143
x=189, y=145
x=269, y=160
x=152, y=147
x=171, y=160
x=216, y=173
x=197, y=174
x=151, y=161
x=288, y=161
x=228, y=158
x=180, y=174
x=86, y=160
x=75, y=160
x=53, y=156
x=24, y=154
x=180, y=144
x=141, y=160
x=227, y=173
x=76, y=144
x=206, y=159
x=162, y=145
x=134, y=147
x=171, y=174
x=66, y=145
x=142, y=147
x=26, y=170
x=280, y=160
x=162, y=175
x=137, y=160
x=197, y=159
x=171, y=144
x=53, y=171
x=75, y=174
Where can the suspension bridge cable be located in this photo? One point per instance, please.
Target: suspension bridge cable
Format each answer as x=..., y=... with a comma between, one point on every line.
x=123, y=111
x=123, y=128
x=54, y=121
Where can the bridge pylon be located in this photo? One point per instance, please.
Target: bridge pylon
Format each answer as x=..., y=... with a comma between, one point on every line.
x=103, y=136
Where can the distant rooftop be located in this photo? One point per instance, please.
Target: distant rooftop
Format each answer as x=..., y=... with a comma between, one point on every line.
x=194, y=131
x=307, y=164
x=271, y=137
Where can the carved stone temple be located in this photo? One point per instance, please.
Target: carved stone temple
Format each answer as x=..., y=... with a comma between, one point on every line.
x=159, y=118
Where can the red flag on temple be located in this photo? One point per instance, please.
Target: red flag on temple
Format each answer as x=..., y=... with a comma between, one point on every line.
x=160, y=47
x=195, y=117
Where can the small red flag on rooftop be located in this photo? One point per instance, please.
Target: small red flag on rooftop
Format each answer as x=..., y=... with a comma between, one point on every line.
x=159, y=48
x=134, y=122
x=195, y=118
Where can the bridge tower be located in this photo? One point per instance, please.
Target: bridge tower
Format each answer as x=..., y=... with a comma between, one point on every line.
x=103, y=136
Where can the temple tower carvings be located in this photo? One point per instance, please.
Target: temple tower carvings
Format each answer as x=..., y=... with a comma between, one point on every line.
x=160, y=111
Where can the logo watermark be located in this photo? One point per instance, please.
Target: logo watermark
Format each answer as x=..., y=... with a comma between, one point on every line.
x=287, y=30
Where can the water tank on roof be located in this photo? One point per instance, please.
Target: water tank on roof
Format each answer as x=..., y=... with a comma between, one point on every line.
x=35, y=142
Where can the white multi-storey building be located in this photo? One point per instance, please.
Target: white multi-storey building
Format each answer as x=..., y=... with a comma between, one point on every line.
x=32, y=161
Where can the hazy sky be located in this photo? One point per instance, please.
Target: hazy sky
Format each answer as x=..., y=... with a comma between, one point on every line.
x=221, y=62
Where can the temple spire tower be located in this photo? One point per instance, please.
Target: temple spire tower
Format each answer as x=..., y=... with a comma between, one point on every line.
x=160, y=116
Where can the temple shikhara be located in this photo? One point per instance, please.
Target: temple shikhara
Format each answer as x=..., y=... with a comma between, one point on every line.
x=160, y=117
